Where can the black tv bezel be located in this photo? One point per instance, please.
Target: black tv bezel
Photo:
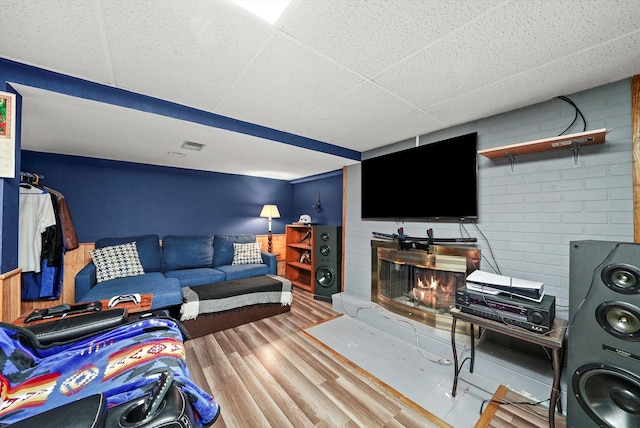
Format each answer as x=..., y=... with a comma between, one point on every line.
x=418, y=152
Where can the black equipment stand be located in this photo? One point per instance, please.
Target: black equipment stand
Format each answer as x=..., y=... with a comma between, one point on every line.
x=406, y=242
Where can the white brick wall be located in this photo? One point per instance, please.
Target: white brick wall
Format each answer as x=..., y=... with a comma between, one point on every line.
x=526, y=217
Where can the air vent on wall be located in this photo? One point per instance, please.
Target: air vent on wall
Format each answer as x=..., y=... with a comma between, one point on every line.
x=190, y=145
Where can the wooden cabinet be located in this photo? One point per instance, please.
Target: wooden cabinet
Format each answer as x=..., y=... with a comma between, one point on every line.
x=299, y=256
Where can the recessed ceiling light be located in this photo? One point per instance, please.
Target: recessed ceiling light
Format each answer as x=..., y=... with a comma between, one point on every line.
x=176, y=154
x=269, y=10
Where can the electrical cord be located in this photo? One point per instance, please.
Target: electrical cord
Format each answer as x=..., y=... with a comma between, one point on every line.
x=510, y=403
x=577, y=112
x=440, y=361
x=494, y=268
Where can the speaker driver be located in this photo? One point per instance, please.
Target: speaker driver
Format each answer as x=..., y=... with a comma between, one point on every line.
x=609, y=395
x=325, y=250
x=622, y=278
x=325, y=276
x=620, y=319
x=324, y=236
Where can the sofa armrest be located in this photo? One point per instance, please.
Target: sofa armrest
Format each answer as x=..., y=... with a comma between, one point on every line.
x=270, y=260
x=85, y=279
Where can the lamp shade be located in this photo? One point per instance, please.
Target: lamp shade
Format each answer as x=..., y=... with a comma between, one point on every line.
x=270, y=211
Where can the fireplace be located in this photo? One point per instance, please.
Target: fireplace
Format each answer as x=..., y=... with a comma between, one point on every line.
x=419, y=284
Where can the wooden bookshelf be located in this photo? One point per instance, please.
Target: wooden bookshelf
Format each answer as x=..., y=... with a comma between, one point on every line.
x=299, y=267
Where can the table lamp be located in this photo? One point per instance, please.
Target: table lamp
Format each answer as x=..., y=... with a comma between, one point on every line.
x=270, y=211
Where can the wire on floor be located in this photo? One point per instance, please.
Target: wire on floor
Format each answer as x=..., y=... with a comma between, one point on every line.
x=510, y=403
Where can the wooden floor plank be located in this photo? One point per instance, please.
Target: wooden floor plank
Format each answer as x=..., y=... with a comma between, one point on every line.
x=270, y=373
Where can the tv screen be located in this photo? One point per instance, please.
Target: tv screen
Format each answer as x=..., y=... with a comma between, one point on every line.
x=433, y=182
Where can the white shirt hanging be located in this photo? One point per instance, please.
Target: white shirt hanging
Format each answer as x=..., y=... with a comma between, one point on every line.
x=36, y=214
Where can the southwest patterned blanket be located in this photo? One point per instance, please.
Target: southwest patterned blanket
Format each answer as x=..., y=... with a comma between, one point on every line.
x=122, y=364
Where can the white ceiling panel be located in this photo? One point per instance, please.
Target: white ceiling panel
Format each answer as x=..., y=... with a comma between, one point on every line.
x=62, y=36
x=377, y=34
x=291, y=79
x=358, y=74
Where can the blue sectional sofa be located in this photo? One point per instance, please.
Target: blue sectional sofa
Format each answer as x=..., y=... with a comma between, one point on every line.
x=168, y=265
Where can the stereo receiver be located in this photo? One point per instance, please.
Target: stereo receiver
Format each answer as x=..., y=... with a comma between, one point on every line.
x=532, y=316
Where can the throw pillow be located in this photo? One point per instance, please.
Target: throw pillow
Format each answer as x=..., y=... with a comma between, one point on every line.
x=118, y=261
x=244, y=254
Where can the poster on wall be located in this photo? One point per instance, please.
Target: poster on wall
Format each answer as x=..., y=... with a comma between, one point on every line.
x=7, y=135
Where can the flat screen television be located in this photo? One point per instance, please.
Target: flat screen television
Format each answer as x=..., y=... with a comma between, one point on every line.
x=432, y=182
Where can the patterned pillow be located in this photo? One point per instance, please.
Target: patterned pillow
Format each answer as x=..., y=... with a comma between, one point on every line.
x=244, y=254
x=118, y=261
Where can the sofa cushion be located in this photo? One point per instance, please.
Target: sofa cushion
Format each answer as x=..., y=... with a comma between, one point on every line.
x=187, y=252
x=244, y=254
x=118, y=261
x=223, y=247
x=244, y=271
x=196, y=276
x=148, y=247
x=166, y=291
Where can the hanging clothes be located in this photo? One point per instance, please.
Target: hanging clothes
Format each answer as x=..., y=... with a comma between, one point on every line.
x=64, y=215
x=36, y=215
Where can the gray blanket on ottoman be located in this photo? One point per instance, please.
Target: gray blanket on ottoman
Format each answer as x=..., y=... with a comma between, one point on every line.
x=223, y=296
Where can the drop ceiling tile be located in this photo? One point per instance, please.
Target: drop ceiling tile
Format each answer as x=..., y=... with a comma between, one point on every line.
x=370, y=36
x=390, y=131
x=351, y=112
x=187, y=52
x=507, y=42
x=561, y=77
x=59, y=36
x=289, y=78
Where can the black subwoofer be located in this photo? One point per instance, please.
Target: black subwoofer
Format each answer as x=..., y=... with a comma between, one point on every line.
x=327, y=259
x=603, y=340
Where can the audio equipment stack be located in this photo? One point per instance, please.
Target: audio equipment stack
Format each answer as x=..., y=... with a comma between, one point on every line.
x=527, y=314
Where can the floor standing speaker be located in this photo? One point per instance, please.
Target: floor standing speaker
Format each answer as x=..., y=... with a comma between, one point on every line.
x=603, y=341
x=327, y=259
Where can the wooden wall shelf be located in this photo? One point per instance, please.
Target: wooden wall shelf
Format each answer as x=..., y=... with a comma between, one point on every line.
x=564, y=141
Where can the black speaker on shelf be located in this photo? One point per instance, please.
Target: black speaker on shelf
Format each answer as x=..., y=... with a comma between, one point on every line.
x=603, y=340
x=327, y=259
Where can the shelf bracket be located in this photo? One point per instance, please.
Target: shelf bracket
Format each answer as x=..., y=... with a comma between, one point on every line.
x=575, y=149
x=512, y=159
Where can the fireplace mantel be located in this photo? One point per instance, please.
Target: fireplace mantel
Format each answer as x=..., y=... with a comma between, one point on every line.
x=418, y=284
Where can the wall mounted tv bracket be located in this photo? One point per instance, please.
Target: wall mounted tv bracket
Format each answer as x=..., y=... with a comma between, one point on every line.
x=62, y=311
x=406, y=242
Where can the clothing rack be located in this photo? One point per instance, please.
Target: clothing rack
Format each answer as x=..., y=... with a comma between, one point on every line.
x=31, y=178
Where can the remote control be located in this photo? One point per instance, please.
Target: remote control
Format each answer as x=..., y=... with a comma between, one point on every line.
x=135, y=298
x=152, y=404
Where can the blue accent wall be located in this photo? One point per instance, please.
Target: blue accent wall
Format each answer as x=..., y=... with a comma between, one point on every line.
x=111, y=198
x=305, y=196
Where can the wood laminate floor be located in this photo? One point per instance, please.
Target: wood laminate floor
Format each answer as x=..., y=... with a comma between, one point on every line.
x=269, y=373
